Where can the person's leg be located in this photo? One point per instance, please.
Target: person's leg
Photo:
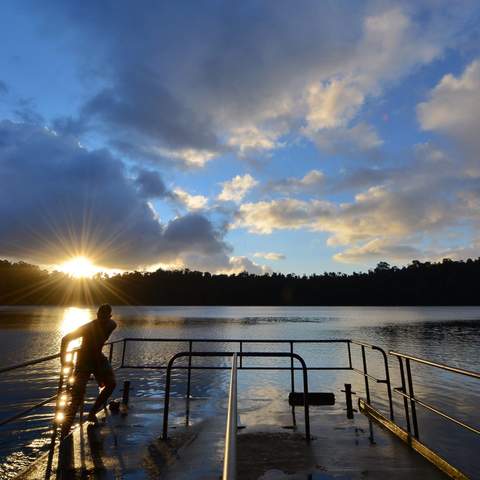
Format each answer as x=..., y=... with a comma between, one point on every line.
x=77, y=393
x=106, y=383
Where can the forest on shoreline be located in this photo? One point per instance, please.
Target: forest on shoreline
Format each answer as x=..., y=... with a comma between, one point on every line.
x=444, y=283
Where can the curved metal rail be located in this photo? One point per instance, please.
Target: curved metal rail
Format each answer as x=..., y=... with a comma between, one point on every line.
x=175, y=357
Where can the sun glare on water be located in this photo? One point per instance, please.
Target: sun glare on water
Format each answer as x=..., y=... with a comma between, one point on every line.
x=79, y=267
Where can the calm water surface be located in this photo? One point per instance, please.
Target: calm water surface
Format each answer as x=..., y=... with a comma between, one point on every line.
x=443, y=334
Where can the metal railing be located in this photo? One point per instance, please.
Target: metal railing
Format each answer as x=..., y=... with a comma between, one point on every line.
x=409, y=395
x=170, y=367
x=34, y=407
x=230, y=456
x=239, y=346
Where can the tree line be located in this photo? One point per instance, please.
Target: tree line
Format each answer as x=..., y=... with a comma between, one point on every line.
x=420, y=283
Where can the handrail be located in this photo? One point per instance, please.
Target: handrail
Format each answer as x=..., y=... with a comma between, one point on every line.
x=230, y=457
x=410, y=394
x=30, y=362
x=27, y=410
x=442, y=366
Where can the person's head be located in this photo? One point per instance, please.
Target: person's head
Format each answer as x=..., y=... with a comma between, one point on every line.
x=104, y=312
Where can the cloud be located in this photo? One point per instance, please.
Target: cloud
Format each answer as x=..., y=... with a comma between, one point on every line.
x=270, y=256
x=233, y=85
x=251, y=138
x=60, y=200
x=3, y=88
x=453, y=108
x=312, y=181
x=347, y=140
x=235, y=189
x=244, y=264
x=150, y=184
x=191, y=202
x=377, y=250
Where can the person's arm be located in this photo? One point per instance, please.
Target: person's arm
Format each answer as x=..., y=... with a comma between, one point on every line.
x=69, y=337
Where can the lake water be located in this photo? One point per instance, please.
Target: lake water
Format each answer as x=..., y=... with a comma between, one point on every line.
x=443, y=334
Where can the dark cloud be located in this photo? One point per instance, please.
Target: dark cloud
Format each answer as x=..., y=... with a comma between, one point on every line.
x=150, y=184
x=58, y=199
x=179, y=75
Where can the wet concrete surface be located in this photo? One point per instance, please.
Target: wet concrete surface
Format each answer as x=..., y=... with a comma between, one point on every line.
x=129, y=447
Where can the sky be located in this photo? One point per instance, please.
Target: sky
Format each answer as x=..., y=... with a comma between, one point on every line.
x=271, y=136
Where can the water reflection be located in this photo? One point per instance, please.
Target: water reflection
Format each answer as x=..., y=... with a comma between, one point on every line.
x=74, y=317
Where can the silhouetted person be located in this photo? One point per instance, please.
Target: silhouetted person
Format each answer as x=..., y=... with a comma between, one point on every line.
x=90, y=359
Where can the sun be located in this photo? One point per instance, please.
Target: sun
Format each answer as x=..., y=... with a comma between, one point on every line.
x=79, y=267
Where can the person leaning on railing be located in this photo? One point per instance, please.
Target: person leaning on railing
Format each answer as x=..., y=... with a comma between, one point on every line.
x=90, y=359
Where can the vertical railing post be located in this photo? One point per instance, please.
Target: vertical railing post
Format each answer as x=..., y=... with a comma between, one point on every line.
x=412, y=396
x=189, y=379
x=292, y=383
x=123, y=352
x=241, y=356
x=387, y=380
x=367, y=388
x=230, y=456
x=365, y=371
x=166, y=404
x=305, y=400
x=404, y=391
x=349, y=355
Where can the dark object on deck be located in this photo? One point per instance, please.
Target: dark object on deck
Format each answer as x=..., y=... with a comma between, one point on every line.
x=126, y=392
x=296, y=399
x=348, y=399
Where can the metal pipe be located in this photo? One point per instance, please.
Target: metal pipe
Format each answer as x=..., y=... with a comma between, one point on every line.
x=292, y=384
x=27, y=410
x=123, y=352
x=404, y=389
x=412, y=402
x=387, y=379
x=437, y=411
x=230, y=457
x=227, y=354
x=461, y=371
x=189, y=379
x=367, y=388
x=30, y=362
x=349, y=354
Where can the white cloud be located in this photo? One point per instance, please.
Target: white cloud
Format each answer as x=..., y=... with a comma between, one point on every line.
x=189, y=157
x=252, y=138
x=191, y=202
x=270, y=255
x=244, y=264
x=378, y=249
x=453, y=108
x=332, y=105
x=235, y=189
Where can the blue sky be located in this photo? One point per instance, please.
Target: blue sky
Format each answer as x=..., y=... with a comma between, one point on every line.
x=261, y=136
